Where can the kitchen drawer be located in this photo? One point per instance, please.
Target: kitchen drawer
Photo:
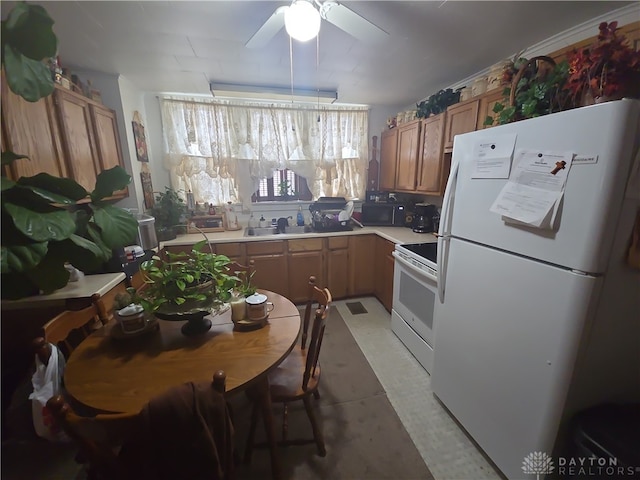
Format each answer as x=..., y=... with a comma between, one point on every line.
x=305, y=245
x=229, y=249
x=264, y=248
x=335, y=243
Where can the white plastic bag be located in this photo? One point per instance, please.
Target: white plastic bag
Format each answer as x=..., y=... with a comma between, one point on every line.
x=47, y=382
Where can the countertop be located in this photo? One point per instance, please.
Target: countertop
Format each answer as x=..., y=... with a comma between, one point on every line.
x=393, y=234
x=85, y=287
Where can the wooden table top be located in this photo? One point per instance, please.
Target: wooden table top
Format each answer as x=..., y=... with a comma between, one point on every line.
x=122, y=375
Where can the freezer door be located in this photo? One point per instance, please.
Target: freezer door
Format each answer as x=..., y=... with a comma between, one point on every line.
x=593, y=194
x=505, y=345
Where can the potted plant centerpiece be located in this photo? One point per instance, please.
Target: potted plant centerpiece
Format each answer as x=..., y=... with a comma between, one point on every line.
x=48, y=221
x=186, y=286
x=608, y=69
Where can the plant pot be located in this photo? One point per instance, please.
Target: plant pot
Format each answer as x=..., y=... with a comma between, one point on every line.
x=167, y=233
x=197, y=323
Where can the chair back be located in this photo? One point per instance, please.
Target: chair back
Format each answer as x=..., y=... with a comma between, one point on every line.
x=69, y=328
x=243, y=272
x=318, y=297
x=313, y=353
x=101, y=437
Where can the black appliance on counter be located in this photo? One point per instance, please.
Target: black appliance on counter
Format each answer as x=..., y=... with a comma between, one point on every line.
x=384, y=214
x=326, y=216
x=426, y=218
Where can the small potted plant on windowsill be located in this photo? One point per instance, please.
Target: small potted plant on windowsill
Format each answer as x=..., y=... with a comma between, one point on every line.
x=608, y=69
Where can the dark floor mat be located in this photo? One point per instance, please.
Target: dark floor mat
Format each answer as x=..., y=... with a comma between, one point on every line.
x=356, y=308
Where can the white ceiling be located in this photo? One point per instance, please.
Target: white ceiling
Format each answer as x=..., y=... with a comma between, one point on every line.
x=180, y=46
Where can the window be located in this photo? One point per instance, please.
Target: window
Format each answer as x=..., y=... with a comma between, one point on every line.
x=282, y=186
x=222, y=150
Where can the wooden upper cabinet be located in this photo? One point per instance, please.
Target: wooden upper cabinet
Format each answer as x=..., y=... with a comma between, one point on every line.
x=461, y=118
x=31, y=129
x=430, y=174
x=65, y=135
x=485, y=107
x=408, y=149
x=388, y=159
x=78, y=137
x=105, y=129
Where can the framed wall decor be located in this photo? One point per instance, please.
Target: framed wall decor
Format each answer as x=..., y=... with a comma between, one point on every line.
x=138, y=135
x=147, y=187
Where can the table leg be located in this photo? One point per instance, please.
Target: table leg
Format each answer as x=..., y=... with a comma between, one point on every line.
x=267, y=416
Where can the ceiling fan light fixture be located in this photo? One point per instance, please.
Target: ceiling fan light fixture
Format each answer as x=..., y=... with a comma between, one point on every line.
x=302, y=20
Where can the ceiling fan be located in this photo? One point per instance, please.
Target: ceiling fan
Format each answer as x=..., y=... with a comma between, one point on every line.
x=331, y=11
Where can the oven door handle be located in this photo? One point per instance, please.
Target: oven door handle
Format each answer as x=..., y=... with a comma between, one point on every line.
x=414, y=269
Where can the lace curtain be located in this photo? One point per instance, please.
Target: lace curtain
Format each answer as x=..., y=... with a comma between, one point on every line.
x=220, y=150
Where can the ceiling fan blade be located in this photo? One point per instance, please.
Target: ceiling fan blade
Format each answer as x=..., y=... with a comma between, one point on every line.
x=268, y=30
x=352, y=23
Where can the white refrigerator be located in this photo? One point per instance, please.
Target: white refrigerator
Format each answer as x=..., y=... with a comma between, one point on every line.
x=535, y=324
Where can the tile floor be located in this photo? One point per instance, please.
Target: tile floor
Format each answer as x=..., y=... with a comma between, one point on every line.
x=445, y=448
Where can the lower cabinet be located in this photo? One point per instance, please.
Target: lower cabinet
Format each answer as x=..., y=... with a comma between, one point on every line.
x=349, y=265
x=305, y=259
x=361, y=265
x=384, y=272
x=338, y=266
x=270, y=263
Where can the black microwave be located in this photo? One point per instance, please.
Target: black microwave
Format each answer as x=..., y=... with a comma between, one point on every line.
x=384, y=214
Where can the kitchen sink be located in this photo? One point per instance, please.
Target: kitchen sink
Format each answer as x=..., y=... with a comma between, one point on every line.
x=270, y=231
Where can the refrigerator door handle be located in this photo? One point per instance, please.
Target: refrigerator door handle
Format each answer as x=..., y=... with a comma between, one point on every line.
x=442, y=255
x=442, y=262
x=447, y=201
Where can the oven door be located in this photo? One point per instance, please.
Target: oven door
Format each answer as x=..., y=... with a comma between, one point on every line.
x=414, y=296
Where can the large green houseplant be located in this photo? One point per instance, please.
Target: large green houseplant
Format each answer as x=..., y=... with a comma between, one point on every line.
x=186, y=286
x=49, y=221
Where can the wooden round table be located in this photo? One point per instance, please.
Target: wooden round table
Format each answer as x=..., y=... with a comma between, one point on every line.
x=122, y=375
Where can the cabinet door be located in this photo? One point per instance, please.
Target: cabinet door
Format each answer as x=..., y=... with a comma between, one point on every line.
x=270, y=264
x=485, y=107
x=361, y=268
x=461, y=118
x=430, y=179
x=384, y=272
x=105, y=130
x=31, y=128
x=338, y=266
x=301, y=266
x=305, y=259
x=77, y=137
x=271, y=273
x=408, y=146
x=388, y=159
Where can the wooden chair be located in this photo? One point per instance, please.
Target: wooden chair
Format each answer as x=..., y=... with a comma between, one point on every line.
x=298, y=376
x=100, y=439
x=243, y=272
x=69, y=328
